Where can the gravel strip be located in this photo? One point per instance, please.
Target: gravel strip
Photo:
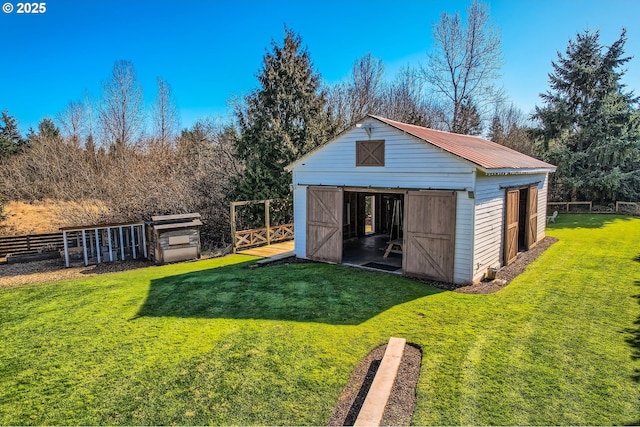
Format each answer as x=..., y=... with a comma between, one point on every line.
x=402, y=401
x=506, y=274
x=54, y=270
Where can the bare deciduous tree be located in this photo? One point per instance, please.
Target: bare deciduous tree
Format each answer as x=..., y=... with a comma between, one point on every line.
x=464, y=65
x=165, y=114
x=73, y=121
x=511, y=128
x=365, y=90
x=360, y=95
x=404, y=100
x=194, y=175
x=121, y=113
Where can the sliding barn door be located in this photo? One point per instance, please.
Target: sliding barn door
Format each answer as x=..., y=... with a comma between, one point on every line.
x=324, y=224
x=532, y=217
x=430, y=222
x=511, y=226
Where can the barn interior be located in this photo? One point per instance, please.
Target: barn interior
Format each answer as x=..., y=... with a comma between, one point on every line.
x=523, y=216
x=373, y=230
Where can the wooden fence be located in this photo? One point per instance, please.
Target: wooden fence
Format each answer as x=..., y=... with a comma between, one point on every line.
x=632, y=208
x=567, y=206
x=258, y=236
x=628, y=207
x=263, y=236
x=30, y=244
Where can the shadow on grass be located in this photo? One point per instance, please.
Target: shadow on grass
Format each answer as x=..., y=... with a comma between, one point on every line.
x=586, y=220
x=295, y=292
x=634, y=339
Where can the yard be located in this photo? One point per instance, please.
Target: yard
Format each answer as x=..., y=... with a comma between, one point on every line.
x=214, y=342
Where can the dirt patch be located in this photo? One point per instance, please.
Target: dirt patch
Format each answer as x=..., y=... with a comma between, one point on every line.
x=402, y=401
x=48, y=216
x=29, y=218
x=54, y=270
x=507, y=273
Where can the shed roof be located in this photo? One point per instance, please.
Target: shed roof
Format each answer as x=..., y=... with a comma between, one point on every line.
x=177, y=225
x=489, y=156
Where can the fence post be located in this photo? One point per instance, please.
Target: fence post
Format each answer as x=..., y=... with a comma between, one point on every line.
x=84, y=247
x=121, y=244
x=66, y=249
x=110, y=244
x=133, y=243
x=98, y=249
x=232, y=214
x=267, y=221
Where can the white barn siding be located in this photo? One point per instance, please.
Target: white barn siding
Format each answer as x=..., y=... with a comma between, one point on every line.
x=489, y=216
x=299, y=219
x=464, y=239
x=409, y=163
x=542, y=207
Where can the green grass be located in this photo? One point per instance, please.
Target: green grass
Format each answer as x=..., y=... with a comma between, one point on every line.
x=214, y=342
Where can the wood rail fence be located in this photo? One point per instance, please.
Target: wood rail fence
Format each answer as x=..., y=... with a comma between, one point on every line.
x=263, y=236
x=258, y=236
x=579, y=207
x=30, y=244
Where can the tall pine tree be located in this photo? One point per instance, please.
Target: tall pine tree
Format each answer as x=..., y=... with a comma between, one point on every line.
x=10, y=139
x=590, y=125
x=279, y=122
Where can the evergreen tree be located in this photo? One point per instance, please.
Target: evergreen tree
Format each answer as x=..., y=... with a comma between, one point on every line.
x=496, y=130
x=590, y=126
x=279, y=122
x=10, y=139
x=47, y=129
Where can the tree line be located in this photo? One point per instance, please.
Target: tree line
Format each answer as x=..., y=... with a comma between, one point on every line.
x=588, y=125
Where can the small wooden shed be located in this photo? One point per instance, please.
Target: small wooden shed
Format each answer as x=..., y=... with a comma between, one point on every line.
x=424, y=202
x=174, y=238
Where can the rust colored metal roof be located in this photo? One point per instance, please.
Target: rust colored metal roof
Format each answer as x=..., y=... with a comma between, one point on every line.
x=489, y=155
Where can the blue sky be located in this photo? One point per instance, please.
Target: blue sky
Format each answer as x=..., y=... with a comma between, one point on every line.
x=210, y=51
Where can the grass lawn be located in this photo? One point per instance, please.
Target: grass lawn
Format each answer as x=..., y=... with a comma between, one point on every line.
x=213, y=342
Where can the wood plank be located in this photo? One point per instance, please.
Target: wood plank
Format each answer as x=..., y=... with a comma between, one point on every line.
x=378, y=395
x=269, y=251
x=175, y=217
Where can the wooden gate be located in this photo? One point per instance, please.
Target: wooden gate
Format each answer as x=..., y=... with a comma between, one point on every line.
x=429, y=239
x=511, y=226
x=324, y=224
x=532, y=217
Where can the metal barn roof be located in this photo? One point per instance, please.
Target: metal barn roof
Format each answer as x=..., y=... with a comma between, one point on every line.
x=489, y=155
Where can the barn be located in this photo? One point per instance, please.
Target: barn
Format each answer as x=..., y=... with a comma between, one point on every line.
x=417, y=201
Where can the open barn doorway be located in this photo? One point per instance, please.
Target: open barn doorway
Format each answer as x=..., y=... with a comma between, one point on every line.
x=373, y=229
x=520, y=221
